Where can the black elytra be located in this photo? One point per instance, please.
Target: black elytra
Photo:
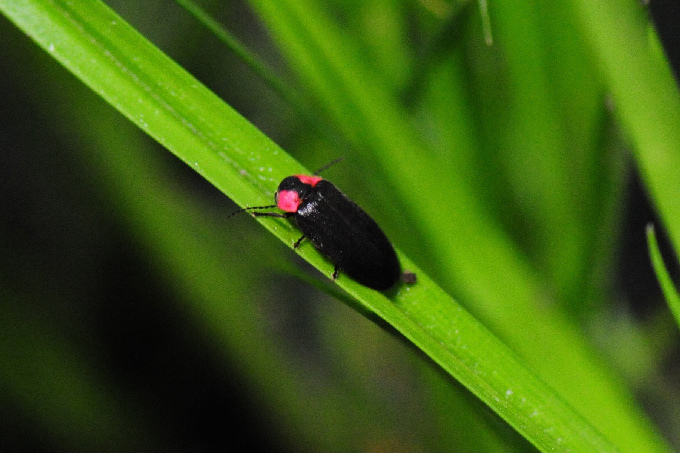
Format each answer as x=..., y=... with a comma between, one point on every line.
x=339, y=229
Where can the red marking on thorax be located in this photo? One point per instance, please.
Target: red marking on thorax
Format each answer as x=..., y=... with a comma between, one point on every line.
x=288, y=200
x=311, y=180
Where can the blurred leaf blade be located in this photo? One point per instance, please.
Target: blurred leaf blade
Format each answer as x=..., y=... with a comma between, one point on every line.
x=645, y=95
x=669, y=290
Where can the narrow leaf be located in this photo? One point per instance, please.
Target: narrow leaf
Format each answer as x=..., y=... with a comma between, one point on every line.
x=667, y=287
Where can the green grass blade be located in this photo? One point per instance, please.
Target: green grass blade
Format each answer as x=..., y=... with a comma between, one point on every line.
x=167, y=103
x=645, y=95
x=667, y=286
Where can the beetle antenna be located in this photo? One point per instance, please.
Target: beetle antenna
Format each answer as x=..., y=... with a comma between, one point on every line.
x=329, y=164
x=249, y=209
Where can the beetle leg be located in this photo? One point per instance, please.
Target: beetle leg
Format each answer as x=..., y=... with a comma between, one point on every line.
x=335, y=273
x=297, y=243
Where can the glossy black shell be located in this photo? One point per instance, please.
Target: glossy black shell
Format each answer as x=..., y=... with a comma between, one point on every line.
x=344, y=233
